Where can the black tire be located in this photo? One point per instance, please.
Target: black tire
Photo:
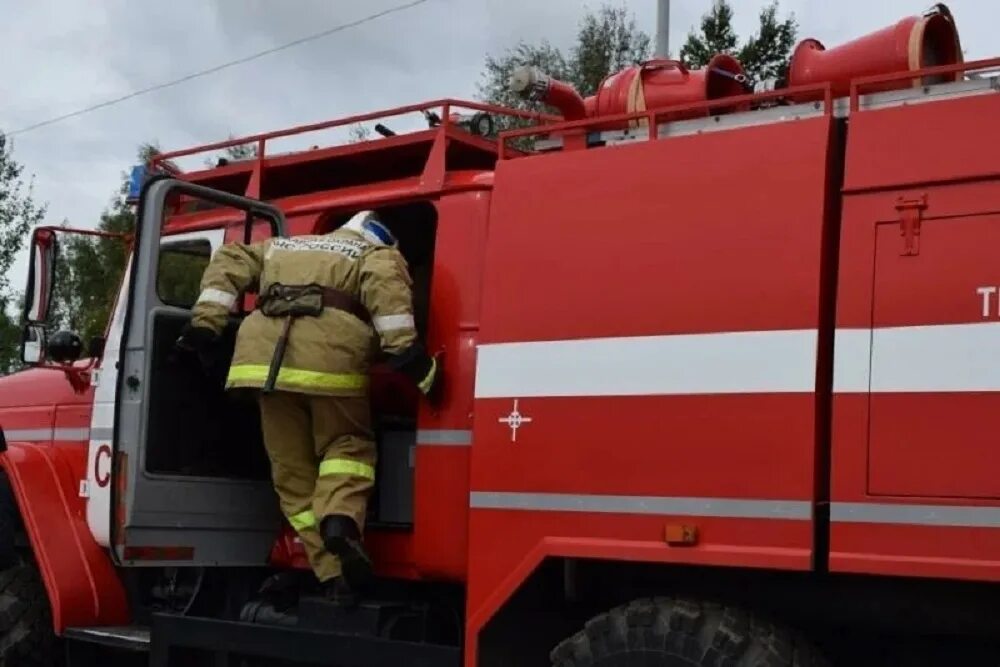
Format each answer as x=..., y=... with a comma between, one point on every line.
x=26, y=637
x=683, y=633
x=10, y=525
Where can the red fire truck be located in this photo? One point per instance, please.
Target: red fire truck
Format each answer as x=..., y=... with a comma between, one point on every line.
x=722, y=379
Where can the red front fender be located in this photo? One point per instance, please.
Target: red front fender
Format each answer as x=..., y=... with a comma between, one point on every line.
x=82, y=583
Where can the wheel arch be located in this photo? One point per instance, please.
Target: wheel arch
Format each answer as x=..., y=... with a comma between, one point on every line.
x=623, y=555
x=572, y=589
x=80, y=579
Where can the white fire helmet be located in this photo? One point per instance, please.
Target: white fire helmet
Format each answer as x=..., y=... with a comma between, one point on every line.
x=367, y=224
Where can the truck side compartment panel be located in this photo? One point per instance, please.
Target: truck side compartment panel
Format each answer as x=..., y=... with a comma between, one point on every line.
x=915, y=486
x=649, y=353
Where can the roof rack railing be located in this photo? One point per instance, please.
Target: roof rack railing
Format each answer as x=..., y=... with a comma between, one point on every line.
x=443, y=108
x=858, y=86
x=575, y=131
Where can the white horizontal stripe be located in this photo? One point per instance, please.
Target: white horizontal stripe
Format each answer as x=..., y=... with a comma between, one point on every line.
x=852, y=360
x=931, y=358
x=28, y=434
x=384, y=323
x=680, y=506
x=217, y=296
x=102, y=433
x=918, y=515
x=716, y=363
x=71, y=434
x=46, y=434
x=457, y=438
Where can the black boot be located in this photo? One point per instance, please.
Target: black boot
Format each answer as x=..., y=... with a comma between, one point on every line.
x=338, y=592
x=343, y=539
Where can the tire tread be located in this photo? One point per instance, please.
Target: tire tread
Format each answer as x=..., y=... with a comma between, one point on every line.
x=26, y=637
x=693, y=632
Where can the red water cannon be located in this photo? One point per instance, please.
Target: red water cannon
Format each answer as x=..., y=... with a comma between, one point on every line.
x=650, y=85
x=663, y=83
x=912, y=44
x=533, y=84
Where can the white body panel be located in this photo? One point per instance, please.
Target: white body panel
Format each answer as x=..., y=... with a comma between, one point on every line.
x=102, y=421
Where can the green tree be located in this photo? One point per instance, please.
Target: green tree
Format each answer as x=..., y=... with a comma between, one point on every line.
x=18, y=214
x=764, y=54
x=241, y=151
x=607, y=40
x=357, y=133
x=233, y=154
x=493, y=86
x=89, y=269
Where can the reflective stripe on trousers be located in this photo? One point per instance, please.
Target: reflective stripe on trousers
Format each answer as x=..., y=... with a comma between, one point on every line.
x=346, y=467
x=303, y=520
x=298, y=378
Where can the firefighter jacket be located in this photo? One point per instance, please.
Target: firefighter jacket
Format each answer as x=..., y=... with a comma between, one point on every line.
x=329, y=353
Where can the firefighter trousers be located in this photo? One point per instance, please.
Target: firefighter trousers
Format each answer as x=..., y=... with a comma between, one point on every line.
x=322, y=453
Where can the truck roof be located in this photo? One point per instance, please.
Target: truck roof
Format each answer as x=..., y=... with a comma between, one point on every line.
x=447, y=155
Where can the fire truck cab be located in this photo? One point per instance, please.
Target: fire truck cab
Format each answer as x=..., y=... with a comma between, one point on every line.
x=720, y=387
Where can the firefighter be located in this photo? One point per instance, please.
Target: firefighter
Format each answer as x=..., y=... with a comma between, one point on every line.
x=305, y=350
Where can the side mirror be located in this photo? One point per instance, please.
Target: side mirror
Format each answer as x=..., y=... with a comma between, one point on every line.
x=64, y=347
x=32, y=344
x=41, y=276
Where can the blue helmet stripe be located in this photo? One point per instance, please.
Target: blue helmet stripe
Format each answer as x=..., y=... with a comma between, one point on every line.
x=380, y=232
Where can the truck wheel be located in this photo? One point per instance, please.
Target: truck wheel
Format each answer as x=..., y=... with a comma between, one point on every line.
x=26, y=637
x=10, y=523
x=683, y=633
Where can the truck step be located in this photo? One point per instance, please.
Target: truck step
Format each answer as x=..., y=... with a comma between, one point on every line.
x=128, y=637
x=276, y=642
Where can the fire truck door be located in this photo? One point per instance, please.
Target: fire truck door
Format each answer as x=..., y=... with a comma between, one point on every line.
x=935, y=358
x=169, y=505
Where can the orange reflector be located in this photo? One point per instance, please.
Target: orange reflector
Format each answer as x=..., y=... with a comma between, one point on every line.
x=158, y=553
x=679, y=535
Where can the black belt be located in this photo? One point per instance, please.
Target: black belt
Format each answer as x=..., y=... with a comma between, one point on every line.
x=308, y=300
x=335, y=298
x=293, y=301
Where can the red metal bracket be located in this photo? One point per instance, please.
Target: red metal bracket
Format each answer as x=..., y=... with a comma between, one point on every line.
x=911, y=213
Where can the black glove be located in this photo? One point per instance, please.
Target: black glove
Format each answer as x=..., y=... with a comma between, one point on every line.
x=195, y=342
x=423, y=369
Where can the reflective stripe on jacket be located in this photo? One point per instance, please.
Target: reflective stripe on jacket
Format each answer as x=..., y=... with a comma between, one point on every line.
x=329, y=354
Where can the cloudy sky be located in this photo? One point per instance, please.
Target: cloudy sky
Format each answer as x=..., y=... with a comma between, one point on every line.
x=62, y=55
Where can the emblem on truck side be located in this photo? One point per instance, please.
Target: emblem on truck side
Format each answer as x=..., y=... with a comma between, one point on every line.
x=514, y=420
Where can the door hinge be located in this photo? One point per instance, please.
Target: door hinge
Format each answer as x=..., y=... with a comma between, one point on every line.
x=911, y=213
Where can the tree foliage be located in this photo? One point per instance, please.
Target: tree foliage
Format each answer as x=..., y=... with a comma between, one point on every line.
x=764, y=54
x=233, y=153
x=241, y=151
x=19, y=213
x=607, y=40
x=90, y=269
x=357, y=133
